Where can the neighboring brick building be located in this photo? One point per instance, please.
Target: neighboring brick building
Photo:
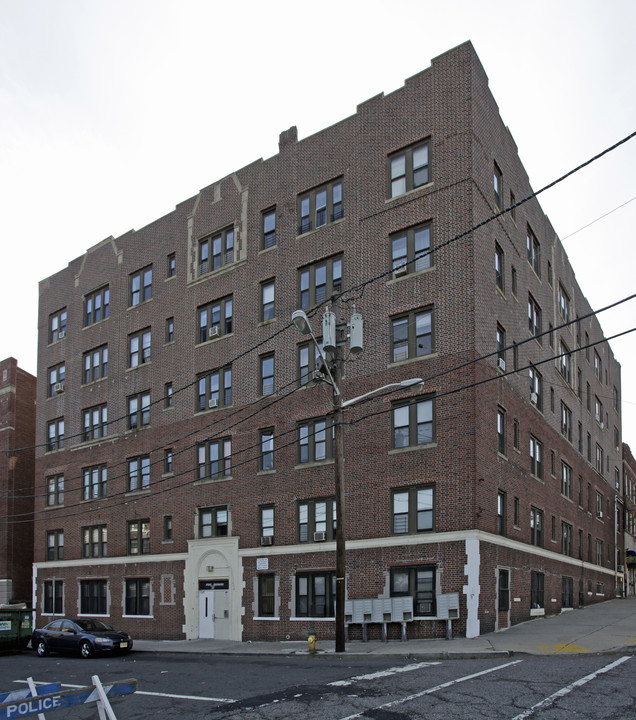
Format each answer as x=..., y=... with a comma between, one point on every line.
x=173, y=400
x=17, y=467
x=629, y=527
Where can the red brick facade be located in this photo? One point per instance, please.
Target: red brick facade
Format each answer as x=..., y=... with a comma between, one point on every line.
x=17, y=467
x=466, y=549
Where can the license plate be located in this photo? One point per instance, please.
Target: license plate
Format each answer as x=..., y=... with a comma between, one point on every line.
x=123, y=645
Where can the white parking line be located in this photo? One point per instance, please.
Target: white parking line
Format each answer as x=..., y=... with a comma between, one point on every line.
x=202, y=698
x=408, y=698
x=564, y=691
x=381, y=674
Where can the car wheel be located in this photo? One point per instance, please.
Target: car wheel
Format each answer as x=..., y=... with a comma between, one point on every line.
x=86, y=649
x=41, y=649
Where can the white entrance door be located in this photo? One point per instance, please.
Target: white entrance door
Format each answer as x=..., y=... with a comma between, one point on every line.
x=221, y=614
x=206, y=613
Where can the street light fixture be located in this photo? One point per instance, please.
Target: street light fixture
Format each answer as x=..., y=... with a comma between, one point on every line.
x=301, y=322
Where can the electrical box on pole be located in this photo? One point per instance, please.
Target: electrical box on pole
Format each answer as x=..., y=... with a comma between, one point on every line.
x=356, y=326
x=329, y=331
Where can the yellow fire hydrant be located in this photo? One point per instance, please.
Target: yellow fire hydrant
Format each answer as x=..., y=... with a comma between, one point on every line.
x=311, y=639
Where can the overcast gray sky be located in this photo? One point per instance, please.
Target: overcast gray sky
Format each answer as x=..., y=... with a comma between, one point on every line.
x=113, y=111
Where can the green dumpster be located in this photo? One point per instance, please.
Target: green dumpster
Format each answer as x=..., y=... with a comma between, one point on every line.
x=15, y=629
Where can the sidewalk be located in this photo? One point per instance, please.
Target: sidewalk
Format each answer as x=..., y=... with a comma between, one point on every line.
x=602, y=628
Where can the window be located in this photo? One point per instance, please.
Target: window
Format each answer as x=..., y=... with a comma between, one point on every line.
x=167, y=395
x=269, y=229
x=139, y=348
x=315, y=440
x=497, y=181
x=315, y=594
x=500, y=339
x=566, y=539
x=513, y=281
x=501, y=513
x=214, y=459
x=419, y=583
x=536, y=457
x=57, y=326
x=412, y=510
x=599, y=459
x=55, y=434
x=167, y=528
x=139, y=410
x=588, y=397
x=412, y=335
x=55, y=490
x=320, y=207
x=266, y=460
x=566, y=421
x=537, y=580
x=140, y=286
x=138, y=596
x=565, y=363
x=552, y=461
x=309, y=360
x=267, y=374
x=95, y=364
x=408, y=169
x=54, y=597
x=216, y=251
x=169, y=330
x=171, y=265
x=580, y=493
x=599, y=552
x=616, y=400
x=567, y=592
x=598, y=410
x=213, y=522
x=515, y=356
x=550, y=273
x=56, y=376
x=580, y=436
x=501, y=431
x=499, y=268
x=599, y=505
x=267, y=522
x=215, y=320
x=94, y=481
x=598, y=367
x=94, y=422
x=550, y=335
x=579, y=383
x=566, y=480
x=515, y=434
x=96, y=306
x=536, y=388
x=534, y=317
x=413, y=424
x=139, y=473
x=516, y=512
x=564, y=303
x=139, y=537
x=513, y=209
x=534, y=251
x=55, y=545
x=319, y=282
x=167, y=461
x=267, y=301
x=316, y=520
x=503, y=590
x=266, y=589
x=536, y=527
x=411, y=250
x=94, y=541
x=93, y=597
x=214, y=389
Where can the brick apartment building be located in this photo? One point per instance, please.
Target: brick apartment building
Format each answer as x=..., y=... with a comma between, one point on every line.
x=178, y=412
x=629, y=526
x=17, y=468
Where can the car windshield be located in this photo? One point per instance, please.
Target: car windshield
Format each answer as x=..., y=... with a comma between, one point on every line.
x=93, y=625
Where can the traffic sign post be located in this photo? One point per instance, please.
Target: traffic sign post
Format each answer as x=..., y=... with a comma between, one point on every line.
x=16, y=707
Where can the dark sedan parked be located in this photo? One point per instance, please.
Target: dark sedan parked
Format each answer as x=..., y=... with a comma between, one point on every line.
x=83, y=635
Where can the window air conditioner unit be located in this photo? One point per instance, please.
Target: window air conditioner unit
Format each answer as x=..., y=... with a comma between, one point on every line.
x=61, y=334
x=59, y=387
x=501, y=364
x=399, y=270
x=620, y=568
x=214, y=331
x=534, y=398
x=320, y=536
x=601, y=424
x=267, y=540
x=213, y=402
x=599, y=514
